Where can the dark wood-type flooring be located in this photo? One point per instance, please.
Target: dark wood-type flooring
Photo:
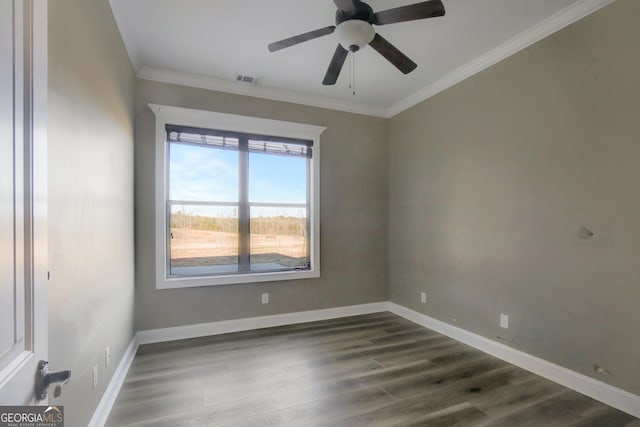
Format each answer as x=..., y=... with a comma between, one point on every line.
x=371, y=370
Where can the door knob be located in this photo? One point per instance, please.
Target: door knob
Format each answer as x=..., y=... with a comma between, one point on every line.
x=44, y=378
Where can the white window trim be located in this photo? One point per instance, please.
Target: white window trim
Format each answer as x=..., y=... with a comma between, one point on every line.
x=230, y=122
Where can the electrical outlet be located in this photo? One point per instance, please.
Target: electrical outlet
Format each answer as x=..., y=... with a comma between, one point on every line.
x=265, y=298
x=504, y=321
x=94, y=377
x=107, y=357
x=423, y=297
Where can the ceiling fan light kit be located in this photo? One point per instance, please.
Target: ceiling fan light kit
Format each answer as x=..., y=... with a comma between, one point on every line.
x=354, y=34
x=354, y=31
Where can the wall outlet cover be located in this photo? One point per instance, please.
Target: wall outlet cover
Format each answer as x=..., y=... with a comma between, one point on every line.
x=94, y=377
x=265, y=298
x=423, y=297
x=504, y=321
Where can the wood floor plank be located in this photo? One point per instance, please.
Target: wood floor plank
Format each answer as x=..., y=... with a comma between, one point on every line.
x=309, y=414
x=430, y=401
x=443, y=376
x=264, y=413
x=458, y=415
x=562, y=409
x=604, y=416
x=516, y=397
x=375, y=370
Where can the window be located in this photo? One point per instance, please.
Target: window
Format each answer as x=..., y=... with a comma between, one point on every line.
x=237, y=199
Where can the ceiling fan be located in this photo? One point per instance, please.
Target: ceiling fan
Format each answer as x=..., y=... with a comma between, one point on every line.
x=354, y=28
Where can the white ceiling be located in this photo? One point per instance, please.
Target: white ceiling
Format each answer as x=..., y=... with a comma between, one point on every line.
x=207, y=43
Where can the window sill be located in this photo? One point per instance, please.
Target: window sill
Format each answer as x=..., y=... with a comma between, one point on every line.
x=233, y=279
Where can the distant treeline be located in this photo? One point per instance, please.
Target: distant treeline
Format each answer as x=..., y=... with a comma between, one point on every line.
x=277, y=225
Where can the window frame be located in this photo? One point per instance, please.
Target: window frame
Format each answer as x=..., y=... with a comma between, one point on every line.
x=168, y=115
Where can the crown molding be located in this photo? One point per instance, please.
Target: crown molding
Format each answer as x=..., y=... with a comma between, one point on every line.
x=543, y=29
x=534, y=34
x=220, y=85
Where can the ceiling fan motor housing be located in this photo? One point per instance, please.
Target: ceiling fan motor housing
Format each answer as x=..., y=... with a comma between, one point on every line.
x=354, y=30
x=363, y=12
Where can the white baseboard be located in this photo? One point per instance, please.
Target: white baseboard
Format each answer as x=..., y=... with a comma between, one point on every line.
x=598, y=390
x=246, y=324
x=111, y=393
x=612, y=396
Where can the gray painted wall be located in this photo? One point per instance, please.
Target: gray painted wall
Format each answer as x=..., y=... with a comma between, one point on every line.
x=485, y=189
x=353, y=215
x=91, y=290
x=491, y=180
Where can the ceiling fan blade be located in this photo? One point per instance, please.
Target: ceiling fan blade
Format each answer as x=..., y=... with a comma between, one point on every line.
x=346, y=6
x=300, y=38
x=335, y=66
x=427, y=9
x=393, y=55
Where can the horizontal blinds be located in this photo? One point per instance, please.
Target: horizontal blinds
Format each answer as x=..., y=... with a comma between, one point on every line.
x=274, y=147
x=232, y=141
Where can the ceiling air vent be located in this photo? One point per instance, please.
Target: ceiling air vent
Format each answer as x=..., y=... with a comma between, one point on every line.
x=246, y=79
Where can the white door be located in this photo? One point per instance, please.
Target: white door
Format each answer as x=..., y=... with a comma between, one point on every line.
x=23, y=204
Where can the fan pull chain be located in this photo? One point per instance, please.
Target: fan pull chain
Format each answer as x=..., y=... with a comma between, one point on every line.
x=353, y=72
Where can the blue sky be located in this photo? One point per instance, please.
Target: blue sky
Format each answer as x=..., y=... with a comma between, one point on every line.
x=207, y=174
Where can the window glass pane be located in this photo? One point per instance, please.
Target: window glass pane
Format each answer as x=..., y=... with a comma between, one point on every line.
x=277, y=179
x=200, y=173
x=278, y=238
x=203, y=240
